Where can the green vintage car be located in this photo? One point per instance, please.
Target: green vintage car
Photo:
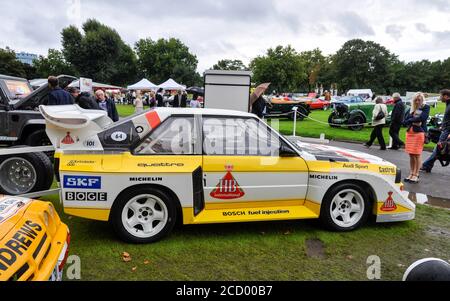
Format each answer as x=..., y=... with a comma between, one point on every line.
x=353, y=112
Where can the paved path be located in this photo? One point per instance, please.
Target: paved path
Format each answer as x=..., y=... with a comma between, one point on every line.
x=435, y=184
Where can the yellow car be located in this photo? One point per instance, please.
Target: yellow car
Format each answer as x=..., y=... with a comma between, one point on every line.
x=34, y=243
x=201, y=166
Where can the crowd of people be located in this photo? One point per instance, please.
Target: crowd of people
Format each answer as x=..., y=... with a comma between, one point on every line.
x=415, y=121
x=107, y=102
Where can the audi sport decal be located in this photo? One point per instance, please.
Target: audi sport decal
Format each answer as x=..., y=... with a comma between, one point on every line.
x=389, y=204
x=228, y=188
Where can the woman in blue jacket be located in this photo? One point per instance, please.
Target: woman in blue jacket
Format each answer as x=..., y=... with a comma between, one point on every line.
x=416, y=121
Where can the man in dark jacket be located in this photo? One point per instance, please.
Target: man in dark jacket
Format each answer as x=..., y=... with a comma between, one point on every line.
x=160, y=98
x=398, y=114
x=84, y=100
x=180, y=100
x=107, y=105
x=57, y=96
x=429, y=164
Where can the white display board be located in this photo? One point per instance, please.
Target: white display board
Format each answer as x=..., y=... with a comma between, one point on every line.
x=86, y=85
x=228, y=90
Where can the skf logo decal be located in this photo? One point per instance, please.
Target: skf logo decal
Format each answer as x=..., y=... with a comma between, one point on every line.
x=82, y=182
x=389, y=204
x=68, y=140
x=228, y=188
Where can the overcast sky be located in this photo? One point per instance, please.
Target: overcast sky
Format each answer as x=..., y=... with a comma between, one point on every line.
x=239, y=29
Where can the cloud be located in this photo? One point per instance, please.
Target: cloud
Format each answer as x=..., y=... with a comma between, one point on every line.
x=422, y=28
x=350, y=24
x=395, y=31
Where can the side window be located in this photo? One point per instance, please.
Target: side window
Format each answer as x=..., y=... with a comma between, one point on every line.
x=174, y=137
x=238, y=137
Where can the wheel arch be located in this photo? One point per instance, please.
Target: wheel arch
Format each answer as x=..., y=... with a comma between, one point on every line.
x=362, y=184
x=359, y=113
x=162, y=188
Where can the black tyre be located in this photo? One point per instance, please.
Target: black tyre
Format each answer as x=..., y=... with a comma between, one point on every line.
x=345, y=207
x=25, y=173
x=331, y=120
x=38, y=138
x=356, y=123
x=143, y=215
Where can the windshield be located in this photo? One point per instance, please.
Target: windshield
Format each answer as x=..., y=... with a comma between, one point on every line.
x=17, y=89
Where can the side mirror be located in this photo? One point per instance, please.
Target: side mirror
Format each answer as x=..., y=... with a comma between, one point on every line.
x=286, y=151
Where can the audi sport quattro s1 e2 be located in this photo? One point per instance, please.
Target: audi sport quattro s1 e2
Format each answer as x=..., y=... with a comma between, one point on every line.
x=34, y=243
x=201, y=166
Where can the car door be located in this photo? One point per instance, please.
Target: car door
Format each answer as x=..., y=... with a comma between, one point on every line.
x=242, y=164
x=3, y=116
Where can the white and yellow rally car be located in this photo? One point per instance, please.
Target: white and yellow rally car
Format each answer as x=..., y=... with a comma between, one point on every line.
x=203, y=166
x=34, y=243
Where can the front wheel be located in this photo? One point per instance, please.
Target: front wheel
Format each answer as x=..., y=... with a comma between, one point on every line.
x=143, y=215
x=345, y=208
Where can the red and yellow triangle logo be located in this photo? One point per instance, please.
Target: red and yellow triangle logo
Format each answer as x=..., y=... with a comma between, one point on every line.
x=228, y=188
x=389, y=204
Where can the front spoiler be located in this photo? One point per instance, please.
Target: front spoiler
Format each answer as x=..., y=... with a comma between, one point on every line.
x=396, y=217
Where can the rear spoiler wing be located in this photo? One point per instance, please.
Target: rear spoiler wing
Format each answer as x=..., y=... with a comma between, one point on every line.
x=73, y=128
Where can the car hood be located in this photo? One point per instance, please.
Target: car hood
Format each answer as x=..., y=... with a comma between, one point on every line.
x=11, y=210
x=337, y=154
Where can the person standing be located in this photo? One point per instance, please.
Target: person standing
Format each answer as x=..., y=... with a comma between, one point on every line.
x=138, y=104
x=107, y=105
x=152, y=100
x=84, y=99
x=160, y=98
x=379, y=114
x=416, y=121
x=57, y=96
x=397, y=117
x=195, y=103
x=445, y=135
x=180, y=100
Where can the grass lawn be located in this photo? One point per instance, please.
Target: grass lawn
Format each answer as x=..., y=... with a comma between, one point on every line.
x=311, y=128
x=295, y=250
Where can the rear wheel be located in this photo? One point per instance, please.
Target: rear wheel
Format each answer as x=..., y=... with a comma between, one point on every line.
x=38, y=138
x=25, y=173
x=345, y=207
x=143, y=215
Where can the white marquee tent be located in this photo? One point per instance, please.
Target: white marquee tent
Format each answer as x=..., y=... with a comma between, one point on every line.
x=144, y=84
x=170, y=84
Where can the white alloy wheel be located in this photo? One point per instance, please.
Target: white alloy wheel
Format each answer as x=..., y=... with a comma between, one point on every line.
x=347, y=208
x=144, y=216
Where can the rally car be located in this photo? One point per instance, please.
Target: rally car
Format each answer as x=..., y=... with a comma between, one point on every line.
x=34, y=243
x=201, y=166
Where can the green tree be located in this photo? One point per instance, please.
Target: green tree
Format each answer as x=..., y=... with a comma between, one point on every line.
x=53, y=64
x=282, y=66
x=163, y=59
x=314, y=62
x=9, y=65
x=226, y=64
x=363, y=64
x=100, y=53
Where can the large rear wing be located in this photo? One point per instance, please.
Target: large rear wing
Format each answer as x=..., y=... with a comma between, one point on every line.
x=73, y=128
